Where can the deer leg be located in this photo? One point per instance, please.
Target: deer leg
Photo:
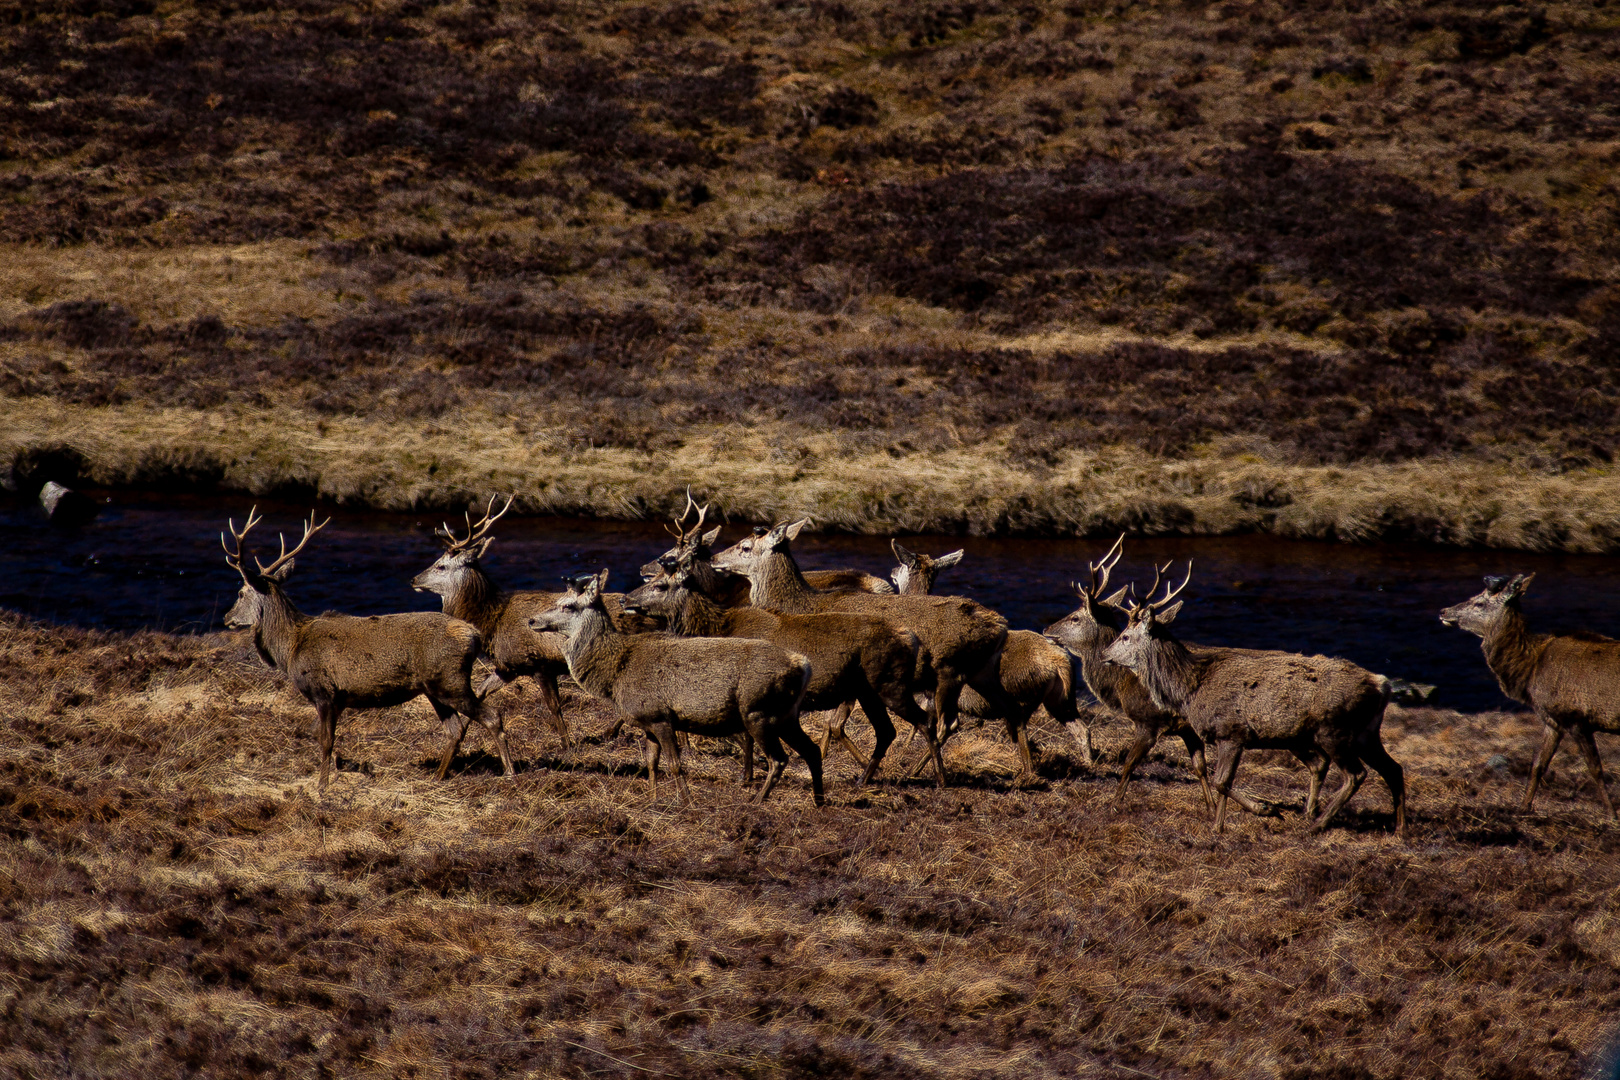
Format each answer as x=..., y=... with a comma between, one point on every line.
x=618, y=726
x=455, y=729
x=845, y=711
x=1227, y=756
x=1145, y=738
x=552, y=700
x=1549, y=746
x=651, y=750
x=1018, y=731
x=746, y=741
x=1318, y=766
x=772, y=745
x=326, y=715
x=1354, y=773
x=1594, y=765
x=1394, y=776
x=794, y=735
x=1195, y=754
x=882, y=731
x=664, y=731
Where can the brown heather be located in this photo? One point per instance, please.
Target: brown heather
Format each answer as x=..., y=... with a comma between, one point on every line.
x=1343, y=270
x=174, y=901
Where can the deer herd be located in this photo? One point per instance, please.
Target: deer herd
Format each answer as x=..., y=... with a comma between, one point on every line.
x=740, y=643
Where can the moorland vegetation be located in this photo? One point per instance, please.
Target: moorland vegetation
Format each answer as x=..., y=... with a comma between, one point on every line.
x=1327, y=269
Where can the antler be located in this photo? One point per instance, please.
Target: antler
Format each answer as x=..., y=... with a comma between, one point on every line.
x=1170, y=594
x=1104, y=567
x=310, y=529
x=233, y=559
x=679, y=529
x=476, y=532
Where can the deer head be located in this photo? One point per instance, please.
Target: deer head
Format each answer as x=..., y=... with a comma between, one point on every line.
x=584, y=595
x=747, y=553
x=690, y=540
x=1484, y=612
x=1148, y=621
x=916, y=573
x=259, y=581
x=1098, y=619
x=460, y=552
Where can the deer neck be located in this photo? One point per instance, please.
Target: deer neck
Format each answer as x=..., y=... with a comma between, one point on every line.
x=1100, y=677
x=695, y=615
x=596, y=653
x=1171, y=674
x=777, y=583
x=1512, y=653
x=475, y=598
x=275, y=635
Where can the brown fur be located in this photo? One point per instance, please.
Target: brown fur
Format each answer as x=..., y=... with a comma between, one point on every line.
x=961, y=640
x=707, y=686
x=1032, y=671
x=1572, y=681
x=854, y=658
x=1325, y=710
x=343, y=661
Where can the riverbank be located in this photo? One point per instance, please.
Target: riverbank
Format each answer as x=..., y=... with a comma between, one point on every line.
x=765, y=475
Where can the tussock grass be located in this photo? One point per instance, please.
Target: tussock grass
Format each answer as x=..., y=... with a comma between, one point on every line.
x=168, y=877
x=769, y=474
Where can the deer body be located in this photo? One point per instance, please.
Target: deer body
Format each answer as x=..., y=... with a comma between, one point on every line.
x=854, y=658
x=338, y=662
x=961, y=639
x=1571, y=681
x=1325, y=710
x=706, y=686
x=1031, y=671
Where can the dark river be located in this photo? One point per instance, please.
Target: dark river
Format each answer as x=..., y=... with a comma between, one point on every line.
x=154, y=562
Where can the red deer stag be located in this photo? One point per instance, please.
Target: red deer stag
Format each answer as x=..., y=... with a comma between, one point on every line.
x=853, y=657
x=1033, y=671
x=961, y=640
x=1321, y=708
x=1572, y=681
x=1090, y=629
x=339, y=662
x=731, y=590
x=706, y=686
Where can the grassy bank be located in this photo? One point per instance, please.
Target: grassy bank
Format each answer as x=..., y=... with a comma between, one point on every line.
x=176, y=901
x=752, y=476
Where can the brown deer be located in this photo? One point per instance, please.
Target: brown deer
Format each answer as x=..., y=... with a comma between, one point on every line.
x=853, y=657
x=1032, y=670
x=1323, y=709
x=1084, y=634
x=707, y=686
x=1572, y=681
x=731, y=590
x=339, y=662
x=961, y=640
x=502, y=618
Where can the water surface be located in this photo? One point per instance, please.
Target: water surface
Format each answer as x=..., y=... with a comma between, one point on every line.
x=154, y=562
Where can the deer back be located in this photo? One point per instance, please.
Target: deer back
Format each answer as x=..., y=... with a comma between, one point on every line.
x=1280, y=696
x=382, y=659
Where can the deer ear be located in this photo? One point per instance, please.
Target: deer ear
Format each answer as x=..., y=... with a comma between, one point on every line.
x=598, y=584
x=1118, y=599
x=906, y=558
x=1521, y=584
x=796, y=528
x=1168, y=615
x=712, y=535
x=282, y=573
x=946, y=561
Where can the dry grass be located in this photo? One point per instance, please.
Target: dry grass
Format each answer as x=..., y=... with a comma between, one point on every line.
x=813, y=253
x=770, y=472
x=176, y=901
